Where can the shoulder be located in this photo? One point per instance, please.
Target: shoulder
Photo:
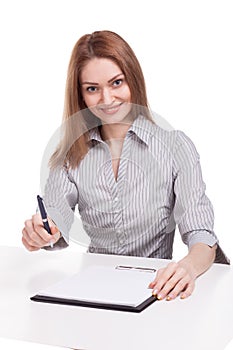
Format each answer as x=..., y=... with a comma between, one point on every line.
x=185, y=147
x=176, y=141
x=159, y=129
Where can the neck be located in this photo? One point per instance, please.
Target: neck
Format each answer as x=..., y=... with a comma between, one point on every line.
x=114, y=131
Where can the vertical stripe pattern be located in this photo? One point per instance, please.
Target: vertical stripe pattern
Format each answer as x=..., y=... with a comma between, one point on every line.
x=159, y=185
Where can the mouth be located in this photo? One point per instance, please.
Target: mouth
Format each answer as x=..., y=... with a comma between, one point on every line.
x=111, y=110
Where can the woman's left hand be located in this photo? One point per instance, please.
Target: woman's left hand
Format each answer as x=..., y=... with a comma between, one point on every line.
x=173, y=280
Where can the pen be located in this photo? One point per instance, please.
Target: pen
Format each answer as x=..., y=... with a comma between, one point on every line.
x=44, y=216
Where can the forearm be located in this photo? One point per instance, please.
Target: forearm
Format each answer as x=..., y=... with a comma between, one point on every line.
x=199, y=258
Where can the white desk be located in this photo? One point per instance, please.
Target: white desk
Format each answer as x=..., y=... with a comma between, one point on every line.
x=203, y=321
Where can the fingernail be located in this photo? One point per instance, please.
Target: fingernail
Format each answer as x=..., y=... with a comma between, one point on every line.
x=182, y=296
x=168, y=298
x=159, y=297
x=154, y=292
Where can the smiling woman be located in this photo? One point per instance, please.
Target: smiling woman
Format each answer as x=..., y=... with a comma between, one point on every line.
x=104, y=75
x=131, y=180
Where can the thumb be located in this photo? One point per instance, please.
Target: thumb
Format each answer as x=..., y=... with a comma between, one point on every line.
x=55, y=232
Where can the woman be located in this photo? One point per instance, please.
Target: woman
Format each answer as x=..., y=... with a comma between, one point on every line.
x=132, y=180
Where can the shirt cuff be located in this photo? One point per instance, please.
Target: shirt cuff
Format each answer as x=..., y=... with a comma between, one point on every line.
x=205, y=237
x=201, y=236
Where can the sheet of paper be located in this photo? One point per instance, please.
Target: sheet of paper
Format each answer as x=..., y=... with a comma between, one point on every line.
x=104, y=285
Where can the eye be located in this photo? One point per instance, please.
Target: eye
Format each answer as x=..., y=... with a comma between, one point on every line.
x=91, y=88
x=117, y=82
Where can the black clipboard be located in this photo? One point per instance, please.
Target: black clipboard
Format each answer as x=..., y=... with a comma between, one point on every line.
x=73, y=302
x=124, y=274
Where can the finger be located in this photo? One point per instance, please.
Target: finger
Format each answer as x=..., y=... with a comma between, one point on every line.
x=179, y=287
x=42, y=237
x=188, y=291
x=163, y=276
x=158, y=274
x=39, y=227
x=32, y=236
x=56, y=234
x=31, y=243
x=28, y=246
x=176, y=280
x=27, y=237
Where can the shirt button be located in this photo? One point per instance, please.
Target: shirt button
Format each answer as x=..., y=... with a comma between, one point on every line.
x=116, y=199
x=121, y=241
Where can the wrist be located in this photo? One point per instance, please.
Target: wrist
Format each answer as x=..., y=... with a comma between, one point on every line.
x=199, y=258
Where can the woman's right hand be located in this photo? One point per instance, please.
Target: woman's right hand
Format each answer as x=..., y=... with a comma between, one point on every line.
x=34, y=235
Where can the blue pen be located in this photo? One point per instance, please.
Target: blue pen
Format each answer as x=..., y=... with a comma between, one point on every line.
x=44, y=216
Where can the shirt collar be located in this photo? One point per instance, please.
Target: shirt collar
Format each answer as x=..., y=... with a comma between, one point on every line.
x=141, y=127
x=94, y=134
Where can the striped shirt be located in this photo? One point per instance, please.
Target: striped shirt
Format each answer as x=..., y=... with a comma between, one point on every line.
x=159, y=186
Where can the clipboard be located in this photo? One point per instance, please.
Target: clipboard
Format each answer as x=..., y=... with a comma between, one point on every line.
x=122, y=288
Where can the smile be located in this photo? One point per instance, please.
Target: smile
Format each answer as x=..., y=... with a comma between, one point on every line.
x=111, y=110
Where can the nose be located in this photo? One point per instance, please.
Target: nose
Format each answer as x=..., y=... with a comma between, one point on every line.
x=107, y=97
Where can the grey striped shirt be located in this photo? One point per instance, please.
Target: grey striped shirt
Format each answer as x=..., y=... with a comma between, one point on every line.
x=159, y=186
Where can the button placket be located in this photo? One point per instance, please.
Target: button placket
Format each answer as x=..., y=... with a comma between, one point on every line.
x=122, y=175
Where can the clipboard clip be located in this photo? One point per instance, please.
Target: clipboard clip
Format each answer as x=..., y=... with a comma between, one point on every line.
x=135, y=268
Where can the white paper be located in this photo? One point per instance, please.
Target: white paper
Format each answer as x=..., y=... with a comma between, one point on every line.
x=106, y=285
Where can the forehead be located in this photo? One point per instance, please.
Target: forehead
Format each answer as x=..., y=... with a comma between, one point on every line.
x=99, y=69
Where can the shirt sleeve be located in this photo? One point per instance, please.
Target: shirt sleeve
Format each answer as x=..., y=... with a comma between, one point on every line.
x=61, y=197
x=193, y=211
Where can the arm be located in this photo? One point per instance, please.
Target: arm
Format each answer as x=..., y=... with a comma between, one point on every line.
x=194, y=216
x=60, y=196
x=193, y=211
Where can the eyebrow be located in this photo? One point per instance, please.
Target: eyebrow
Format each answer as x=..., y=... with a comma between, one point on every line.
x=109, y=81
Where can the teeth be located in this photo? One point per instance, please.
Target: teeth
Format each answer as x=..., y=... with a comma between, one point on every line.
x=111, y=108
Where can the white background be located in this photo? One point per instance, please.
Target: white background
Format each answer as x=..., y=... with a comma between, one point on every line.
x=185, y=50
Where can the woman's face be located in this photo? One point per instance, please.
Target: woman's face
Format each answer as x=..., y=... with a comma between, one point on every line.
x=105, y=90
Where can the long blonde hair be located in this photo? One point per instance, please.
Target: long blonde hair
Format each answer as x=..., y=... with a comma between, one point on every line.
x=100, y=44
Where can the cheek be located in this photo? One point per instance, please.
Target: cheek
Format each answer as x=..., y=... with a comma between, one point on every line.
x=90, y=100
x=126, y=93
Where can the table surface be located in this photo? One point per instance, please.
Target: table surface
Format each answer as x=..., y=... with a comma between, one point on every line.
x=203, y=321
